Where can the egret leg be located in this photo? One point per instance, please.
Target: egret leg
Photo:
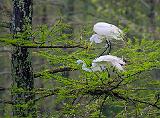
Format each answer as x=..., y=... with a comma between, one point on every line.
x=108, y=42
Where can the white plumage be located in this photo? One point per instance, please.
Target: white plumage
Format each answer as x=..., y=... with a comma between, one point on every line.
x=100, y=63
x=115, y=61
x=106, y=30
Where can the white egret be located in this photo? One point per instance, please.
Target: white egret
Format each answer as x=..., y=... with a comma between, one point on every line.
x=100, y=63
x=107, y=31
x=115, y=61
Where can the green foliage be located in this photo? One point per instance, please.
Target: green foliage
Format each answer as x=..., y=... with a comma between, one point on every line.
x=89, y=94
x=132, y=93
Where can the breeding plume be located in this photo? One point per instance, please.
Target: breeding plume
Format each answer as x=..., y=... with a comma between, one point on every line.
x=101, y=63
x=106, y=30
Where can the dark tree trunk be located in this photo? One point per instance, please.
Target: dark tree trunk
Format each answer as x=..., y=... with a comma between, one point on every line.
x=22, y=73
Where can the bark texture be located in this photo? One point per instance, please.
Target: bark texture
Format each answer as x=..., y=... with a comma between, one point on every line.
x=22, y=72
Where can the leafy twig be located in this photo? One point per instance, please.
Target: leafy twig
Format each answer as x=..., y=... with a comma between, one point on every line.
x=56, y=46
x=54, y=71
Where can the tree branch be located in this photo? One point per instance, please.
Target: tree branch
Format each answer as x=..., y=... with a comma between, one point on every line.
x=53, y=92
x=56, y=46
x=25, y=45
x=101, y=91
x=54, y=71
x=132, y=99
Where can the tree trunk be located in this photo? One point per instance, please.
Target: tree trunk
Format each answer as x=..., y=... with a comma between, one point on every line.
x=22, y=72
